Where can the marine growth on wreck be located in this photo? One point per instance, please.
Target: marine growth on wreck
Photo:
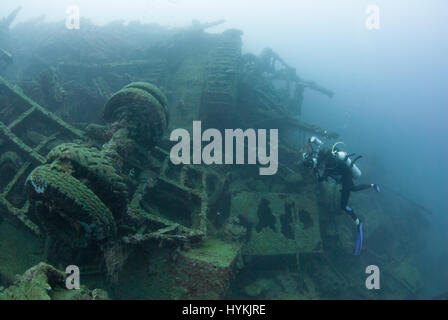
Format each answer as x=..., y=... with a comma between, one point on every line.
x=86, y=176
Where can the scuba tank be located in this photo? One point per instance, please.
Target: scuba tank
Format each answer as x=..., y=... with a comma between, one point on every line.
x=314, y=141
x=344, y=157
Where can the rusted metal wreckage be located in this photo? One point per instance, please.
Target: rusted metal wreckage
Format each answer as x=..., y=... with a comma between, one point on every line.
x=45, y=143
x=107, y=185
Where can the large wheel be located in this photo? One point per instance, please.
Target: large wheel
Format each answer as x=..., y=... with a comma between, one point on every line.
x=143, y=115
x=153, y=90
x=69, y=198
x=90, y=164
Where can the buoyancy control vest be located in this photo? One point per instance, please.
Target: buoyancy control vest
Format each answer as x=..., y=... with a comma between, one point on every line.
x=345, y=158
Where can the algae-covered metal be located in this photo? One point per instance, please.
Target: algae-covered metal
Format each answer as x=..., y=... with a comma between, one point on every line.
x=92, y=179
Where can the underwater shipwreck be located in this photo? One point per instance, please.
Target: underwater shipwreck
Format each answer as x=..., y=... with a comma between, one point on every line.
x=86, y=177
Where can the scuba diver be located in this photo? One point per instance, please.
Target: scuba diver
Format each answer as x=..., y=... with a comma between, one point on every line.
x=310, y=154
x=337, y=165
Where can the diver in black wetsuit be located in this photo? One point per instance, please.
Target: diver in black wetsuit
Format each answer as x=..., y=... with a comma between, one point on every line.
x=338, y=165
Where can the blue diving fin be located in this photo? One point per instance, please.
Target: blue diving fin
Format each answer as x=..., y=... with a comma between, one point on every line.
x=359, y=239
